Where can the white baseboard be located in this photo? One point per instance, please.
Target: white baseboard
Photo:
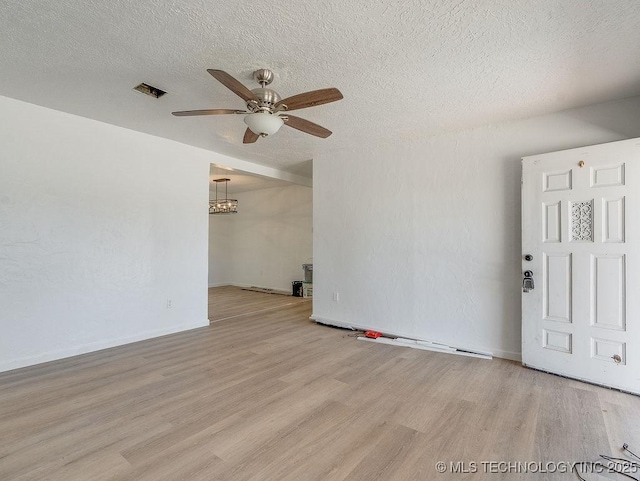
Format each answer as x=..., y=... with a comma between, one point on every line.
x=513, y=356
x=425, y=346
x=96, y=346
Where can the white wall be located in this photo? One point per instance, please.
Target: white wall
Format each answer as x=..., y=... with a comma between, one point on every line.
x=99, y=226
x=422, y=238
x=220, y=249
x=267, y=241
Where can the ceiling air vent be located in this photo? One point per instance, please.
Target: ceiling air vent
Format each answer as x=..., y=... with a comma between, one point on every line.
x=149, y=90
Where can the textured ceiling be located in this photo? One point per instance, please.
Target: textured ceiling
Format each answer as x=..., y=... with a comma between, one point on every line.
x=407, y=69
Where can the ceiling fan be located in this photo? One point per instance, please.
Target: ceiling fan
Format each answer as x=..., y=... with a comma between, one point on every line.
x=262, y=114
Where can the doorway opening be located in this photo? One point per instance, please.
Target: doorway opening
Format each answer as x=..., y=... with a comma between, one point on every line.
x=258, y=252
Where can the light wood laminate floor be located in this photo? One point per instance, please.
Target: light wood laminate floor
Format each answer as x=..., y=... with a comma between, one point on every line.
x=227, y=302
x=273, y=396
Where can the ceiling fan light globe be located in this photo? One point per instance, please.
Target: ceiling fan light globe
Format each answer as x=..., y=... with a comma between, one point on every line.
x=263, y=123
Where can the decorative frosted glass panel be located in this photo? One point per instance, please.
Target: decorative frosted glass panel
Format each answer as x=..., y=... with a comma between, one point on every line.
x=556, y=289
x=582, y=221
x=613, y=220
x=556, y=181
x=608, y=350
x=556, y=340
x=608, y=291
x=607, y=176
x=551, y=222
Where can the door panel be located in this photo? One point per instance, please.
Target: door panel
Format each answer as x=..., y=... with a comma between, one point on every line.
x=581, y=225
x=556, y=278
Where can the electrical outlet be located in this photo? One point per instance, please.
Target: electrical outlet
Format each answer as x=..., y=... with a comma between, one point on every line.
x=336, y=296
x=169, y=303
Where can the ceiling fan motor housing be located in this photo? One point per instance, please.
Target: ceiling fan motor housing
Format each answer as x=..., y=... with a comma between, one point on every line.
x=266, y=100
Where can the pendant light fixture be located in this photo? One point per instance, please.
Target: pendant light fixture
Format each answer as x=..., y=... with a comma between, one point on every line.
x=226, y=205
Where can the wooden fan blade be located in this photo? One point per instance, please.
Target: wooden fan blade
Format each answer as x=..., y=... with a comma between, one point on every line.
x=249, y=137
x=310, y=99
x=232, y=84
x=185, y=113
x=307, y=127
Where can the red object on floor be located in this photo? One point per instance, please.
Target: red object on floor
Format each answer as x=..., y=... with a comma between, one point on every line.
x=373, y=334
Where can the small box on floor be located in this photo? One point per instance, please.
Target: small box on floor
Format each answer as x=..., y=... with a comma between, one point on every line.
x=296, y=288
x=307, y=289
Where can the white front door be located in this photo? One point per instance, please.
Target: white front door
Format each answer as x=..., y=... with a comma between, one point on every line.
x=581, y=232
